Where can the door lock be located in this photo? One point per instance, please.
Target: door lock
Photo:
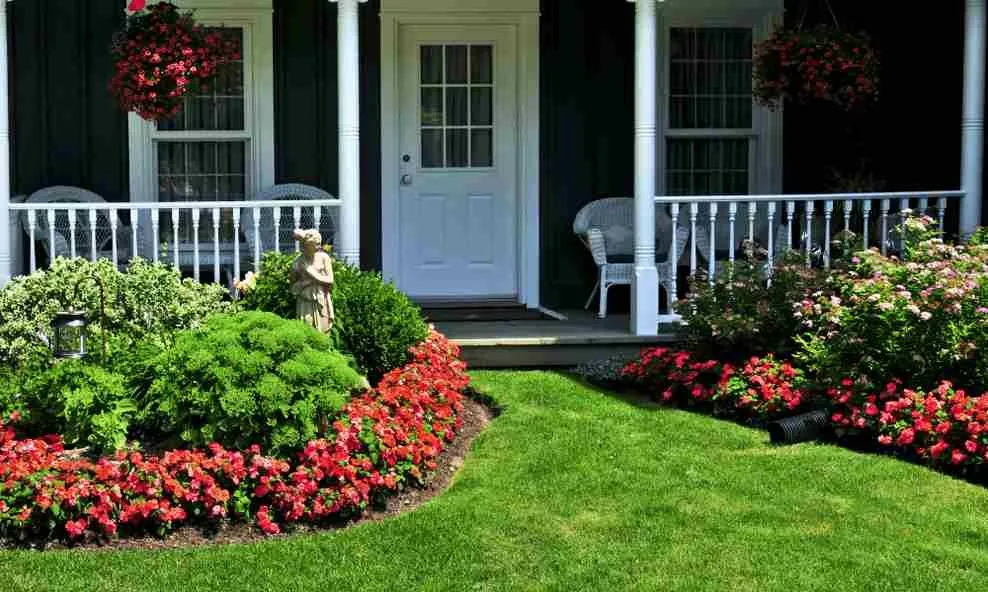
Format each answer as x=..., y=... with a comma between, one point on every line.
x=406, y=180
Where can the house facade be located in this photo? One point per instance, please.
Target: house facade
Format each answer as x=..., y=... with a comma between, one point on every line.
x=461, y=136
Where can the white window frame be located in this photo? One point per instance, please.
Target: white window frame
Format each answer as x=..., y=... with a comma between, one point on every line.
x=255, y=17
x=765, y=134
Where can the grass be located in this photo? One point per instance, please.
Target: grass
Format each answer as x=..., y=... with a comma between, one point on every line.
x=574, y=489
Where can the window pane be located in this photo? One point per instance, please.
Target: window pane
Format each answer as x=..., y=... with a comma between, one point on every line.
x=432, y=64
x=456, y=148
x=707, y=166
x=456, y=64
x=481, y=64
x=432, y=106
x=216, y=106
x=710, y=78
x=481, y=148
x=432, y=148
x=481, y=105
x=456, y=105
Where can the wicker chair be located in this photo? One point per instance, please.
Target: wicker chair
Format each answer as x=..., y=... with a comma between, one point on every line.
x=62, y=246
x=265, y=238
x=606, y=228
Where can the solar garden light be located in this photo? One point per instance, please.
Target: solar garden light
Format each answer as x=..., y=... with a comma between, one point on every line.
x=70, y=328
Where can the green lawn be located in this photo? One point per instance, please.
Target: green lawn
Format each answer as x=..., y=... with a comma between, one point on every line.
x=573, y=489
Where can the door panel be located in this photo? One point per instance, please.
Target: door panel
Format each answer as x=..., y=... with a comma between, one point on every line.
x=458, y=141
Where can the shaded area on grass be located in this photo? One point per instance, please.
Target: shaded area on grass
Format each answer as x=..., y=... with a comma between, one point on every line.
x=573, y=489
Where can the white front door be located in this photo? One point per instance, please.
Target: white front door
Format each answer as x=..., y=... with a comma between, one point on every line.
x=458, y=150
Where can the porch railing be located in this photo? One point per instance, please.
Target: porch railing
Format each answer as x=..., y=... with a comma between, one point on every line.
x=773, y=221
x=194, y=236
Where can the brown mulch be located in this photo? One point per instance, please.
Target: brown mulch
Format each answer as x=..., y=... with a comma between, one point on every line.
x=476, y=417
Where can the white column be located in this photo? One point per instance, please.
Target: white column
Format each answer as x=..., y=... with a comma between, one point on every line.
x=645, y=287
x=348, y=99
x=5, y=233
x=973, y=125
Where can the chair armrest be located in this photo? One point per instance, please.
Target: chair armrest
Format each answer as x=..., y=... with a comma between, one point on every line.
x=597, y=245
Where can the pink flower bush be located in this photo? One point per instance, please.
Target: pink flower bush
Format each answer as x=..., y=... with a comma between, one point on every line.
x=381, y=440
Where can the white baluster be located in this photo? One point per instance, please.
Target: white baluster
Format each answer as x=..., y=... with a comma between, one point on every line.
x=176, y=221
x=216, y=245
x=886, y=205
x=156, y=230
x=732, y=216
x=195, y=242
x=114, y=216
x=257, y=239
x=771, y=238
x=674, y=256
x=694, y=210
x=924, y=204
x=711, y=262
x=92, y=215
x=72, y=221
x=752, y=213
x=809, y=233
x=317, y=217
x=848, y=208
x=50, y=214
x=790, y=216
x=236, y=243
x=32, y=224
x=276, y=213
x=866, y=214
x=297, y=214
x=133, y=231
x=828, y=214
x=941, y=212
x=903, y=206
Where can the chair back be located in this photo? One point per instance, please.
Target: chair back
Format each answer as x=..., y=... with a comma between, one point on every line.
x=324, y=218
x=615, y=218
x=63, y=224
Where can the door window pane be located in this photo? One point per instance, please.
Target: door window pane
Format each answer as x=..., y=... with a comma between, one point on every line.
x=456, y=126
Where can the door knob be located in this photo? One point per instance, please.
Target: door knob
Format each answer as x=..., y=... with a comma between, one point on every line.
x=406, y=180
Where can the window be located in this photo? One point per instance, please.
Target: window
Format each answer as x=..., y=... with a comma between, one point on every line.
x=710, y=111
x=220, y=146
x=456, y=122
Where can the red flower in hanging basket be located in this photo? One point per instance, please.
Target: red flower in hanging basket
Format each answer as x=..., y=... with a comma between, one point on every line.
x=162, y=55
x=819, y=64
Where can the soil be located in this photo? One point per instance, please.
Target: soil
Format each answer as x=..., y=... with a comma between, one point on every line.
x=476, y=416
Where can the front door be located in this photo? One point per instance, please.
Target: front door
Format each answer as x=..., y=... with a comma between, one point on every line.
x=457, y=207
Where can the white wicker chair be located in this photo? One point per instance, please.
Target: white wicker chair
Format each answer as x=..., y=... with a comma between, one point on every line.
x=83, y=233
x=265, y=238
x=606, y=228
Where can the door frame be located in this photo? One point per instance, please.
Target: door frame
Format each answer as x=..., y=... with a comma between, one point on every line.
x=523, y=15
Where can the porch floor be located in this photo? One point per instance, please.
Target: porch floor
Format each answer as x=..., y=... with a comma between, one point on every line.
x=581, y=337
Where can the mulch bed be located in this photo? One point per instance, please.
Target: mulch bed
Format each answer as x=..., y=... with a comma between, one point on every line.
x=476, y=416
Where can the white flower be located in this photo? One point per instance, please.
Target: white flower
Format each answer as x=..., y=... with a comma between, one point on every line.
x=925, y=316
x=913, y=309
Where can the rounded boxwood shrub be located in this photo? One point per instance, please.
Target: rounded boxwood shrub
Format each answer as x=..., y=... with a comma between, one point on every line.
x=146, y=302
x=247, y=378
x=375, y=322
x=83, y=403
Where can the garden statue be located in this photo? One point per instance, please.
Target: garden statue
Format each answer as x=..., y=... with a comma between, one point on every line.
x=312, y=282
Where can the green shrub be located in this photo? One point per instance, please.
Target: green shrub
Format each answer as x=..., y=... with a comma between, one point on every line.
x=741, y=314
x=271, y=289
x=82, y=402
x=147, y=302
x=375, y=322
x=247, y=378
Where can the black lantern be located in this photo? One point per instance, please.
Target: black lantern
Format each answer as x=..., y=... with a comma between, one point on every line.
x=69, y=339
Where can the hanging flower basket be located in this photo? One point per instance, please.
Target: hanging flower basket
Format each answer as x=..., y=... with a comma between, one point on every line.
x=162, y=55
x=818, y=64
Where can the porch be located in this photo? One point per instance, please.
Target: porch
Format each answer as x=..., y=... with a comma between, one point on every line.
x=221, y=239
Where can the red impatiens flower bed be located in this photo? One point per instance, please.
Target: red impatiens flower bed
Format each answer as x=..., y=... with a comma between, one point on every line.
x=382, y=439
x=762, y=388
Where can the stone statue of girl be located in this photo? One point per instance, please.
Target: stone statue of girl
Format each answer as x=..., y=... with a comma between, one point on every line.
x=312, y=282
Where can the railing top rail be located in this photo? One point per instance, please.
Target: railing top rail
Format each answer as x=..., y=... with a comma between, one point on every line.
x=803, y=197
x=177, y=205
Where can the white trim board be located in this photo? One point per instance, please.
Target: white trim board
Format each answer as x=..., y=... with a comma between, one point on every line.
x=523, y=16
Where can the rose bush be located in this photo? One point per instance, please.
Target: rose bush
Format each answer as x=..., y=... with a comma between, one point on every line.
x=379, y=441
